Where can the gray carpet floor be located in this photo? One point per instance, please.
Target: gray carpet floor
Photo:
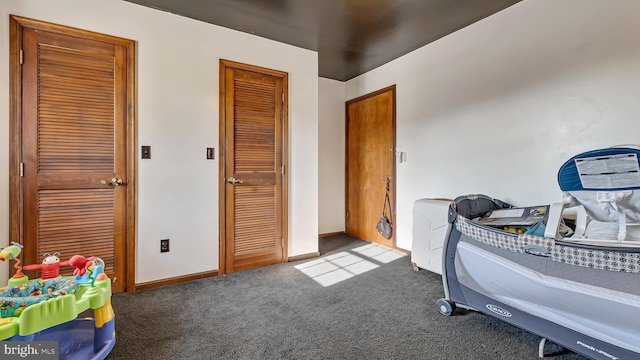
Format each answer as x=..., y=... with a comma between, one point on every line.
x=354, y=302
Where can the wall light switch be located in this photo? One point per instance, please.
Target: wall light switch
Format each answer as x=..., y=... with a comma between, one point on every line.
x=402, y=156
x=145, y=152
x=211, y=153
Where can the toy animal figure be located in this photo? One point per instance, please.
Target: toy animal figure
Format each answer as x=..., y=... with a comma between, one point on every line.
x=11, y=252
x=81, y=264
x=50, y=266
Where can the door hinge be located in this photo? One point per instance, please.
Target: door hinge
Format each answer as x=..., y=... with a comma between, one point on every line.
x=21, y=57
x=282, y=97
x=21, y=169
x=283, y=243
x=282, y=169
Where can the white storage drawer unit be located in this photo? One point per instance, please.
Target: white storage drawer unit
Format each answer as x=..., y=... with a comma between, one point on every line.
x=429, y=230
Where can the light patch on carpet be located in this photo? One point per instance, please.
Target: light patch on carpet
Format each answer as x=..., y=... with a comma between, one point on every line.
x=378, y=253
x=334, y=268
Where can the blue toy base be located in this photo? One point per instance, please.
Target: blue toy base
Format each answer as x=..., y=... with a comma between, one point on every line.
x=76, y=339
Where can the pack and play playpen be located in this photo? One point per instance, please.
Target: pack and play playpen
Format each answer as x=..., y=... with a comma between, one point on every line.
x=568, y=272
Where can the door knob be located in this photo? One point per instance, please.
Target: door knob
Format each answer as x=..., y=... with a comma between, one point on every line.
x=113, y=182
x=233, y=181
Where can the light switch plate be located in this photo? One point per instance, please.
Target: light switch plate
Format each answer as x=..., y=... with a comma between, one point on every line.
x=145, y=153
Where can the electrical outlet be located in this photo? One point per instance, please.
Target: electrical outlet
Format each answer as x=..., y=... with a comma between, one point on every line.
x=164, y=245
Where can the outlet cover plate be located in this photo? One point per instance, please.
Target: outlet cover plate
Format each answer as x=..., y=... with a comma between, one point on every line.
x=164, y=245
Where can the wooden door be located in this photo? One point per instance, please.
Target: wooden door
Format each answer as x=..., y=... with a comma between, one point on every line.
x=76, y=161
x=370, y=161
x=252, y=168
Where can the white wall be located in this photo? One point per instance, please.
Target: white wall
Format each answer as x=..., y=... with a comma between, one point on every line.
x=331, y=134
x=499, y=106
x=177, y=114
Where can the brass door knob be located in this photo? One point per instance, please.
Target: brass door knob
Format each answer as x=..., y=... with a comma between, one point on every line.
x=113, y=182
x=234, y=181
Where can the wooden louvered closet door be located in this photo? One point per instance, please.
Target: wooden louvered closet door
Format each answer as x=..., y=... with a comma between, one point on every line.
x=73, y=138
x=253, y=134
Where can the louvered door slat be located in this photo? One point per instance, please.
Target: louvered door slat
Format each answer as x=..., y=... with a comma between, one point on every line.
x=255, y=231
x=73, y=222
x=254, y=127
x=65, y=145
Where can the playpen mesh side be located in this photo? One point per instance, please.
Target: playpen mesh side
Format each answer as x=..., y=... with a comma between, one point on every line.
x=593, y=258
